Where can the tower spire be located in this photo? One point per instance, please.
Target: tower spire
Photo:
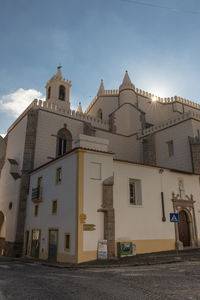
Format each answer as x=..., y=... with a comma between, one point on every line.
x=126, y=83
x=101, y=89
x=79, y=109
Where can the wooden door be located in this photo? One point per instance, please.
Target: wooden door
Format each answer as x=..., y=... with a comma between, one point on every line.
x=183, y=228
x=53, y=244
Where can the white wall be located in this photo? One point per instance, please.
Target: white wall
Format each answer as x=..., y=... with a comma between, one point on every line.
x=64, y=193
x=9, y=187
x=107, y=103
x=93, y=196
x=182, y=157
x=155, y=111
x=145, y=222
x=49, y=124
x=126, y=148
x=127, y=120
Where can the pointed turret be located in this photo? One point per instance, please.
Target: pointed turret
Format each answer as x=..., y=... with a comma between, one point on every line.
x=126, y=84
x=79, y=109
x=59, y=73
x=101, y=89
x=127, y=91
x=58, y=90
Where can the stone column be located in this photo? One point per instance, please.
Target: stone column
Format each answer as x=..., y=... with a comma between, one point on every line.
x=28, y=164
x=109, y=215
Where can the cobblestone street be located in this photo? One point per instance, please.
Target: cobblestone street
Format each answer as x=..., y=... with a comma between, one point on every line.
x=20, y=280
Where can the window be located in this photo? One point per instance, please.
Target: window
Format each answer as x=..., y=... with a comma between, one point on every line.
x=62, y=146
x=100, y=114
x=64, y=141
x=39, y=182
x=170, y=146
x=58, y=175
x=54, y=207
x=62, y=93
x=36, y=208
x=49, y=93
x=135, y=197
x=67, y=241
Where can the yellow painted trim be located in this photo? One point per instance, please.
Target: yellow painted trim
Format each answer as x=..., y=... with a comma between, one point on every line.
x=148, y=246
x=80, y=191
x=87, y=256
x=64, y=257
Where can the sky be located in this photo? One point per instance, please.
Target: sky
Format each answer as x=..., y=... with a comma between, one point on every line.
x=94, y=40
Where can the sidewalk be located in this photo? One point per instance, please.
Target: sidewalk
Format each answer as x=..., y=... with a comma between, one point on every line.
x=137, y=260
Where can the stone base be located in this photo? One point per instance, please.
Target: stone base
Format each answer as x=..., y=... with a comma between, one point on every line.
x=179, y=245
x=12, y=249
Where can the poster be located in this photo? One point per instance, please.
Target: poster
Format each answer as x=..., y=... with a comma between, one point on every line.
x=102, y=249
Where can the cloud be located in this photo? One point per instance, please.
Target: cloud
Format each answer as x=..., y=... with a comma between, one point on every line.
x=15, y=103
x=3, y=135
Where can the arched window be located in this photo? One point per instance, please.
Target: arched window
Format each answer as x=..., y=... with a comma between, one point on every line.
x=62, y=92
x=49, y=93
x=100, y=114
x=64, y=141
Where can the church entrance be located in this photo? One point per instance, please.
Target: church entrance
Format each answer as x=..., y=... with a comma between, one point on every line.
x=184, y=229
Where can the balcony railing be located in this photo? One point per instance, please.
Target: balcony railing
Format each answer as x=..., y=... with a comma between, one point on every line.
x=37, y=194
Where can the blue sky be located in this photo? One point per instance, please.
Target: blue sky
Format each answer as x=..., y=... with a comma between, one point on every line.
x=94, y=40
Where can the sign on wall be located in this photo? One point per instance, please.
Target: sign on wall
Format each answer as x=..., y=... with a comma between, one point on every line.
x=174, y=217
x=102, y=249
x=126, y=249
x=89, y=227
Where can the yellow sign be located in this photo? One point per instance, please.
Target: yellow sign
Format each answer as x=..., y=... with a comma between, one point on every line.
x=89, y=227
x=83, y=218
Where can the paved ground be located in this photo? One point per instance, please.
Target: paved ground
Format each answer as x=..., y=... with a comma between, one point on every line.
x=29, y=280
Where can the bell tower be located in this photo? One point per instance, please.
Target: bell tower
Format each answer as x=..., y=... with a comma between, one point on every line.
x=58, y=89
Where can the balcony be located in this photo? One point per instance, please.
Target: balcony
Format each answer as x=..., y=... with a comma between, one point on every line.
x=37, y=195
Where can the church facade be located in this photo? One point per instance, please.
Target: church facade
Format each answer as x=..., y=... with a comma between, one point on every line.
x=121, y=167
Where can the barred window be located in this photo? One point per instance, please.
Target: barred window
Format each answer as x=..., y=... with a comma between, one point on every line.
x=135, y=197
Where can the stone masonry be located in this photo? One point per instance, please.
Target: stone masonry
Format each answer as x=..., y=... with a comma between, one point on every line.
x=109, y=215
x=149, y=150
x=195, y=153
x=28, y=164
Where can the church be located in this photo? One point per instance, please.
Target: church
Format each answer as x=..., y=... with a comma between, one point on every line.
x=69, y=179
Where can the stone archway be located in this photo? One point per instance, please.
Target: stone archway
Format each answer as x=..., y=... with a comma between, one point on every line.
x=186, y=230
x=2, y=225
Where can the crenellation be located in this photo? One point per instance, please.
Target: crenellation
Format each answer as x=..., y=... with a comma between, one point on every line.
x=170, y=122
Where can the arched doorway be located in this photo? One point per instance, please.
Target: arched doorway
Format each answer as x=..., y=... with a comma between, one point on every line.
x=184, y=229
x=2, y=225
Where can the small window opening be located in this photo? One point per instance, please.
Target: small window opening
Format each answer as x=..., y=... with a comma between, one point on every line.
x=62, y=93
x=58, y=175
x=67, y=241
x=170, y=146
x=54, y=207
x=36, y=210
